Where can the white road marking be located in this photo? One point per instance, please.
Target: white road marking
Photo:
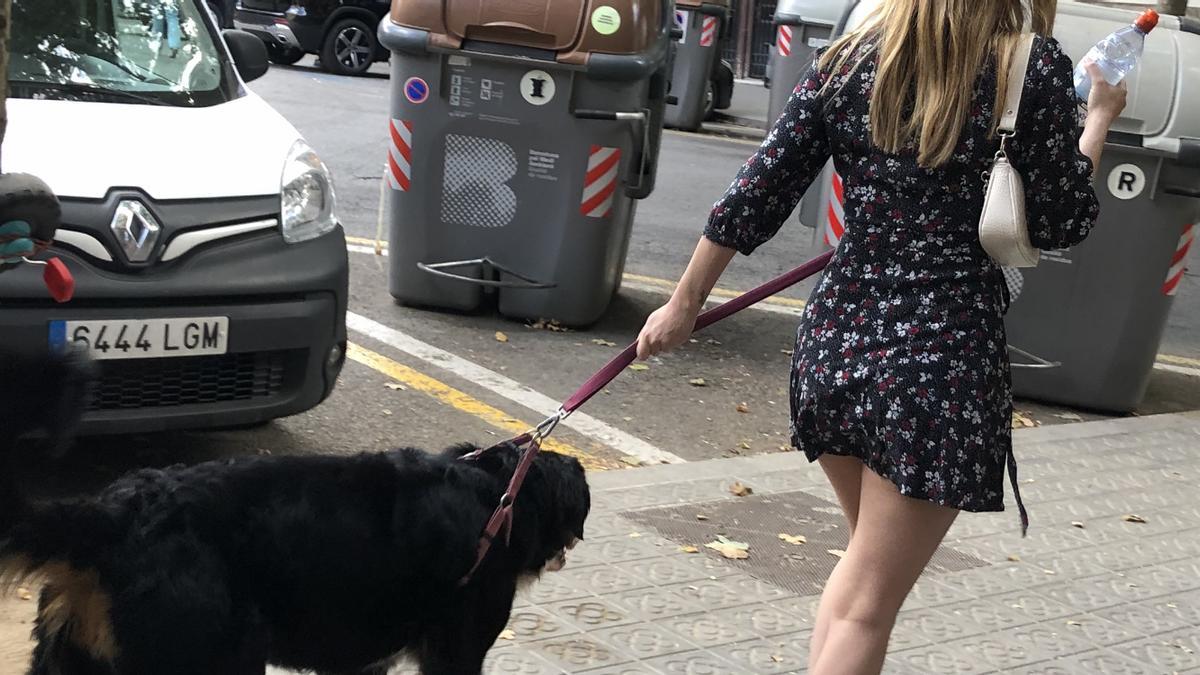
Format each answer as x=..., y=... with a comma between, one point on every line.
x=1180, y=370
x=511, y=389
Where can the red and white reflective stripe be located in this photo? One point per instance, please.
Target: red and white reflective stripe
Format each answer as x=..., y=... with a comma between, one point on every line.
x=837, y=213
x=1179, y=261
x=708, y=32
x=600, y=185
x=784, y=41
x=400, y=155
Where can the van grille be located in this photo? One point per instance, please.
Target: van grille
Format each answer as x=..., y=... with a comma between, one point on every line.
x=196, y=380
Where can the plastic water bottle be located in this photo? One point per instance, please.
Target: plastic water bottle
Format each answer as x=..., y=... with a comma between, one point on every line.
x=1116, y=55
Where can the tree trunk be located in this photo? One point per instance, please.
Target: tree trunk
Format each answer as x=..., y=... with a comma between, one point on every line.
x=5, y=13
x=1176, y=7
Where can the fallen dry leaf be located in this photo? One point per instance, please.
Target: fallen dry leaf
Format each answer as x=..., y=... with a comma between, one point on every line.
x=24, y=594
x=1014, y=558
x=688, y=549
x=744, y=445
x=743, y=408
x=1022, y=421
x=396, y=386
x=698, y=382
x=551, y=325
x=501, y=337
x=1074, y=623
x=1133, y=518
x=508, y=634
x=603, y=343
x=836, y=552
x=632, y=461
x=741, y=490
x=1076, y=523
x=639, y=367
x=713, y=342
x=793, y=539
x=701, y=516
x=1073, y=417
x=777, y=659
x=635, y=535
x=734, y=550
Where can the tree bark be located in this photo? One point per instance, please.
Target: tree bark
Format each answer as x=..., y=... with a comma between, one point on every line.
x=1176, y=7
x=5, y=14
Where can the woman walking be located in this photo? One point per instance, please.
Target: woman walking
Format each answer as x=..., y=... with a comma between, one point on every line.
x=900, y=384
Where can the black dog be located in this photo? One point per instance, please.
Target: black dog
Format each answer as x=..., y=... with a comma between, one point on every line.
x=333, y=564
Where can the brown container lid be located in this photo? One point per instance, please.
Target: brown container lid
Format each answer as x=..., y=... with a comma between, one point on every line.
x=572, y=28
x=696, y=4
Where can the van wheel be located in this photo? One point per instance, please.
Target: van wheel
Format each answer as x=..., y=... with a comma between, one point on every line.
x=349, y=48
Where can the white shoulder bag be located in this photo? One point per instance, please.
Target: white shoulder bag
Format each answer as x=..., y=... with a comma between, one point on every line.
x=1003, y=230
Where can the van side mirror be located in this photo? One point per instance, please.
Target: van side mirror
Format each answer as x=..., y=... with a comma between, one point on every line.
x=249, y=53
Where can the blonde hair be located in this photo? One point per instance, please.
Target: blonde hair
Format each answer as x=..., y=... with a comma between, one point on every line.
x=930, y=54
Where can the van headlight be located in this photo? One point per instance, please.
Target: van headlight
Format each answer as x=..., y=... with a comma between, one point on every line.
x=306, y=197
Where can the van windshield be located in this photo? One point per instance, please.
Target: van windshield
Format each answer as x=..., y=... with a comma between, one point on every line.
x=158, y=52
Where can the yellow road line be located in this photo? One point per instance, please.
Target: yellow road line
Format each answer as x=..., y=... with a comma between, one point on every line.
x=463, y=402
x=1178, y=360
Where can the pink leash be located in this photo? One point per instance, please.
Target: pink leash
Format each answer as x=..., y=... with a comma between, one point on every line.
x=502, y=517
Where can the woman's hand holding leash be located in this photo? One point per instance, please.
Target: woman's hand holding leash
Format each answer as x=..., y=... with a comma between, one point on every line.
x=672, y=324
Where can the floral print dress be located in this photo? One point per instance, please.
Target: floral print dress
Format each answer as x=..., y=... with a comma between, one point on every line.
x=901, y=358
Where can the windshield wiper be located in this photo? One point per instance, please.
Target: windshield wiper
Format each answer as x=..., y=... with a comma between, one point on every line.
x=82, y=88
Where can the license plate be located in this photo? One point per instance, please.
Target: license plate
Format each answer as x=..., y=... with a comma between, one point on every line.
x=144, y=338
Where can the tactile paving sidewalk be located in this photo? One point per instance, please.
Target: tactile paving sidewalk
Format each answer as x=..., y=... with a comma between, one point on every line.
x=1110, y=597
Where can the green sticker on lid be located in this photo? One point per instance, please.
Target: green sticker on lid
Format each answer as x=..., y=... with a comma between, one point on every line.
x=606, y=20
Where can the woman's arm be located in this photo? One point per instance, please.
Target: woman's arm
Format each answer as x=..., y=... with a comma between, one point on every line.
x=1105, y=104
x=672, y=324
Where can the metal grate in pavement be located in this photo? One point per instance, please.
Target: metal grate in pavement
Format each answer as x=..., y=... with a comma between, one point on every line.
x=759, y=520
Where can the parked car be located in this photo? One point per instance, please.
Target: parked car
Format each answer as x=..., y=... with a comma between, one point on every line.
x=340, y=32
x=211, y=273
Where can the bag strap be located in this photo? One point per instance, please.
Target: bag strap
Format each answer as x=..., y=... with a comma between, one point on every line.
x=1016, y=84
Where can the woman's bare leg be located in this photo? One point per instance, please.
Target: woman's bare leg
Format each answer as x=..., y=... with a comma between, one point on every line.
x=845, y=475
x=893, y=541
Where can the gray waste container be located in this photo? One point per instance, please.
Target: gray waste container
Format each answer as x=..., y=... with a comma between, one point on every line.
x=519, y=139
x=801, y=27
x=702, y=25
x=1100, y=309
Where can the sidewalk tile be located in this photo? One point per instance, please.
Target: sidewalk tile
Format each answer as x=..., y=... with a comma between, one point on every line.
x=576, y=653
x=1170, y=652
x=589, y=614
x=643, y=641
x=1095, y=662
x=697, y=662
x=782, y=654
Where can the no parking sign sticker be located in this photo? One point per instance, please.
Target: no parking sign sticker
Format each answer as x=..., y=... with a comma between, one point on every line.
x=416, y=90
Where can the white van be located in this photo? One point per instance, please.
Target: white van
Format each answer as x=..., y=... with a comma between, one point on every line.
x=211, y=273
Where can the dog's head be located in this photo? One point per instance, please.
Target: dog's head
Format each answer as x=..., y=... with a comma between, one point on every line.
x=551, y=508
x=44, y=394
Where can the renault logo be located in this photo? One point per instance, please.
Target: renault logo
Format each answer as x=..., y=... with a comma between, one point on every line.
x=136, y=230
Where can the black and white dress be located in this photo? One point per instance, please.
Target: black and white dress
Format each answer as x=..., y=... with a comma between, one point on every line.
x=901, y=358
